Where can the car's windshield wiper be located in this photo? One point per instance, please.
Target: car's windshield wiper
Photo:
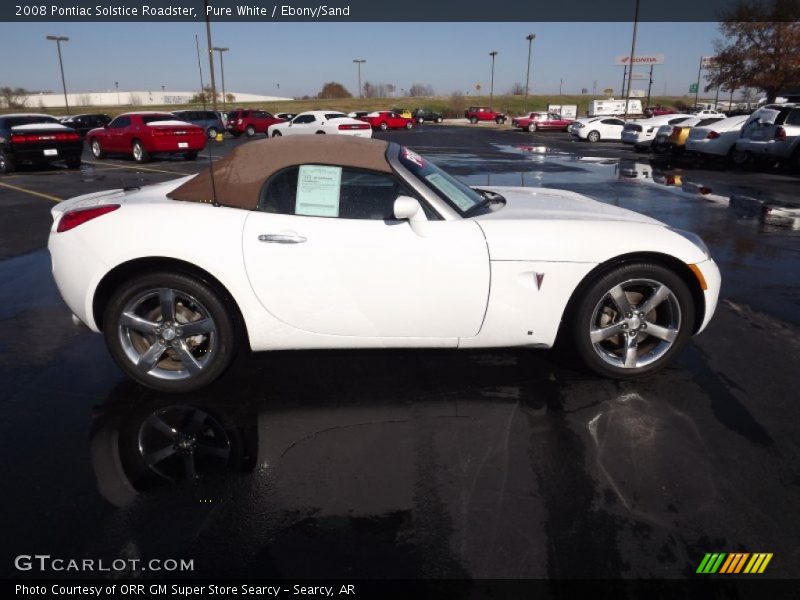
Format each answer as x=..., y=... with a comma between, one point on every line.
x=488, y=198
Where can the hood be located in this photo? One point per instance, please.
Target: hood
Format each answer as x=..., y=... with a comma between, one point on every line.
x=525, y=203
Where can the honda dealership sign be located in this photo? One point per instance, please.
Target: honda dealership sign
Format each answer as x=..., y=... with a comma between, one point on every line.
x=646, y=59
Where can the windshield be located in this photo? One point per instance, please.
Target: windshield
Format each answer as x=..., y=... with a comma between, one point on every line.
x=458, y=195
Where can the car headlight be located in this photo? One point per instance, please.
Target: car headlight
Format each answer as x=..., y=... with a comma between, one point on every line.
x=694, y=238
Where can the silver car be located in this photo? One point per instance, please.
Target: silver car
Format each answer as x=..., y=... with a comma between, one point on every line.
x=773, y=131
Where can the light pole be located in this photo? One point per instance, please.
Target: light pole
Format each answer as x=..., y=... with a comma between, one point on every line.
x=359, y=62
x=116, y=85
x=530, y=38
x=210, y=59
x=560, y=85
x=58, y=39
x=493, y=53
x=630, y=61
x=222, y=71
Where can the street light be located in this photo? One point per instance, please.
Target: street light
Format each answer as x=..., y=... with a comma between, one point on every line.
x=116, y=85
x=58, y=39
x=493, y=53
x=530, y=38
x=359, y=61
x=222, y=71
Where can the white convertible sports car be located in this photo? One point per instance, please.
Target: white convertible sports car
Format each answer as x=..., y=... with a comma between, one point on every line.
x=341, y=242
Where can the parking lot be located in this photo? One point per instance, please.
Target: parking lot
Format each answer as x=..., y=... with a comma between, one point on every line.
x=425, y=464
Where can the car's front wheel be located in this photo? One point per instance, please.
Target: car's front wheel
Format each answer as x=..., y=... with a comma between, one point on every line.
x=276, y=134
x=439, y=119
x=6, y=165
x=383, y=126
x=594, y=136
x=632, y=320
x=212, y=133
x=169, y=331
x=532, y=127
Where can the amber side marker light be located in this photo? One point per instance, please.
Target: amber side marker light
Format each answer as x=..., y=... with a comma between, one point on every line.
x=699, y=274
x=70, y=220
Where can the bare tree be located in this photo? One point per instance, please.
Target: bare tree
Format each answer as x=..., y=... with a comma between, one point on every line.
x=420, y=89
x=517, y=89
x=763, y=54
x=13, y=97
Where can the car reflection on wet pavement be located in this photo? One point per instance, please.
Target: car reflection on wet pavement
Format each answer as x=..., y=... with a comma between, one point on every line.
x=482, y=464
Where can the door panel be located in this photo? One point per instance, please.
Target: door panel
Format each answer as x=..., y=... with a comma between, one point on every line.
x=369, y=278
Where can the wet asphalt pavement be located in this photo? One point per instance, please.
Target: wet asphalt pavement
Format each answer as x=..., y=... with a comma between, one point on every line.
x=421, y=464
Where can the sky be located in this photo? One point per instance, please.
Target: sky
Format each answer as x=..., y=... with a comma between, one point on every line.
x=295, y=59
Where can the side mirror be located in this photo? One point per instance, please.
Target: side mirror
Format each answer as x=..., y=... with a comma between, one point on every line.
x=407, y=208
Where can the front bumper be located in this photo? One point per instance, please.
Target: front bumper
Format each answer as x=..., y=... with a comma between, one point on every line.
x=713, y=279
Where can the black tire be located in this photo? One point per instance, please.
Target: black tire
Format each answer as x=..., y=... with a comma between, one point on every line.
x=236, y=134
x=276, y=134
x=473, y=120
x=320, y=133
x=500, y=120
x=532, y=127
x=97, y=150
x=212, y=133
x=190, y=156
x=169, y=373
x=74, y=162
x=740, y=158
x=250, y=131
x=383, y=126
x=596, y=310
x=439, y=119
x=140, y=155
x=593, y=136
x=6, y=164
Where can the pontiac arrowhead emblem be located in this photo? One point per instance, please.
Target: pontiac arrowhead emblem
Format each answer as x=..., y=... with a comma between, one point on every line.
x=539, y=279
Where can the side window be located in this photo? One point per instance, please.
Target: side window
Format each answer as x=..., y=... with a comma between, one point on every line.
x=303, y=119
x=326, y=191
x=119, y=123
x=794, y=117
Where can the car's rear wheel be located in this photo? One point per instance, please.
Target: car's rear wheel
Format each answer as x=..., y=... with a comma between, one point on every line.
x=473, y=120
x=593, y=136
x=320, y=133
x=140, y=155
x=276, y=134
x=532, y=127
x=190, y=156
x=212, y=133
x=97, y=150
x=740, y=158
x=438, y=119
x=633, y=320
x=6, y=165
x=169, y=331
x=250, y=131
x=383, y=126
x=409, y=125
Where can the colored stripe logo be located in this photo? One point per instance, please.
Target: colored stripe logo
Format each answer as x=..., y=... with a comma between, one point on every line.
x=732, y=563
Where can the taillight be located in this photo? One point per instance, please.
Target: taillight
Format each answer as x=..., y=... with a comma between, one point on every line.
x=70, y=220
x=712, y=135
x=353, y=126
x=32, y=138
x=780, y=134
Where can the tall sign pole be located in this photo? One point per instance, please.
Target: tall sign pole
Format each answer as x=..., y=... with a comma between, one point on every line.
x=633, y=52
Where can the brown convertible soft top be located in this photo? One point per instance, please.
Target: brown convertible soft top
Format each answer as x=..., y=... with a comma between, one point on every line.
x=239, y=177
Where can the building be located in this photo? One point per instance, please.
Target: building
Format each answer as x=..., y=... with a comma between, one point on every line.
x=132, y=98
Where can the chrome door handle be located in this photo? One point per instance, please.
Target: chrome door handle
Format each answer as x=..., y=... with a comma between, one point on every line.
x=282, y=238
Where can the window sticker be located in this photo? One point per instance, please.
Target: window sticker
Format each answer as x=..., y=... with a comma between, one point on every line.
x=318, y=191
x=463, y=201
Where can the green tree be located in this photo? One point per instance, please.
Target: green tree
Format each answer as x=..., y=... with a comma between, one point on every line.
x=763, y=54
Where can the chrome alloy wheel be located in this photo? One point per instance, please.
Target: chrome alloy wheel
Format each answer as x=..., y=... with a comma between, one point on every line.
x=635, y=323
x=167, y=334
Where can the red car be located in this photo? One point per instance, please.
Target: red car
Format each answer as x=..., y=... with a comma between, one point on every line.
x=143, y=134
x=250, y=121
x=541, y=120
x=387, y=119
x=657, y=111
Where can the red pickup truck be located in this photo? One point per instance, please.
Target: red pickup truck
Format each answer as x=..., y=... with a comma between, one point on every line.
x=484, y=113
